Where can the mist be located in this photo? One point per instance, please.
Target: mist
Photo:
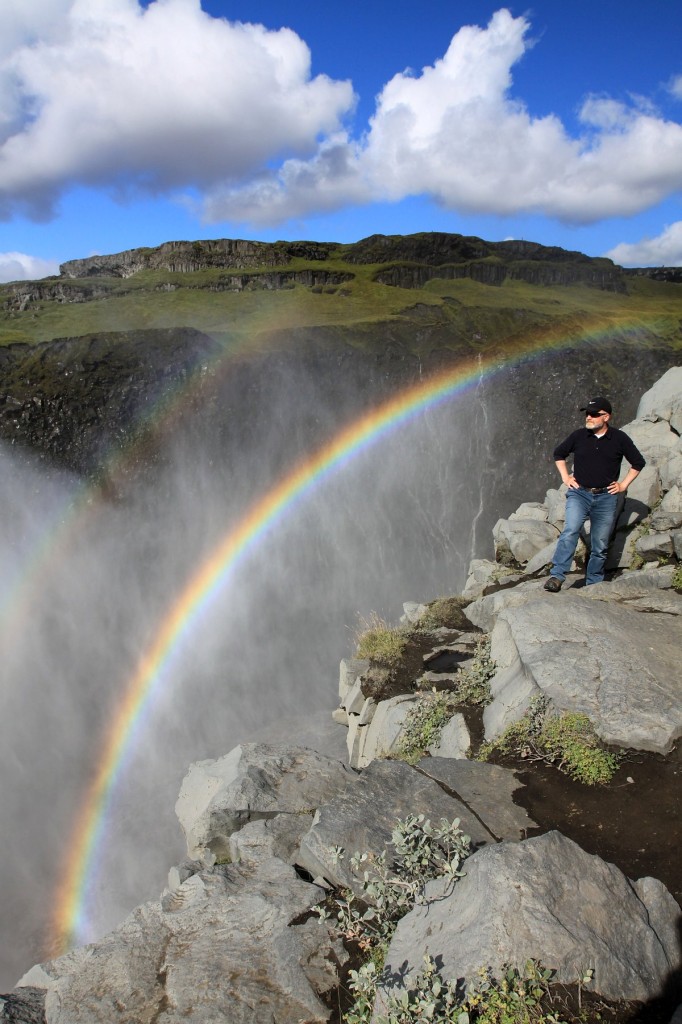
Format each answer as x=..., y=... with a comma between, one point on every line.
x=400, y=521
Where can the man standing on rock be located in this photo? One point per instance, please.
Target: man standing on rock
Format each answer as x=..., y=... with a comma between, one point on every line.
x=598, y=450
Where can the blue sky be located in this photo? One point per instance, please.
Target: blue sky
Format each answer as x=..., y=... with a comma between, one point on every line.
x=127, y=123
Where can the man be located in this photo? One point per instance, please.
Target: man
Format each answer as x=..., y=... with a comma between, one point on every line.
x=598, y=450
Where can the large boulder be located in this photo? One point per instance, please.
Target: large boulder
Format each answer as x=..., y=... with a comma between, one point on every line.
x=668, y=515
x=361, y=818
x=654, y=439
x=522, y=538
x=616, y=662
x=664, y=399
x=224, y=938
x=548, y=900
x=254, y=780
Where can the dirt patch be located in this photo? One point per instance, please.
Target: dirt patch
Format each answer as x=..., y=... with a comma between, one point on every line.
x=635, y=824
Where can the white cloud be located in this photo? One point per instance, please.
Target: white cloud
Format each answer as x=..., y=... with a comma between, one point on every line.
x=169, y=99
x=663, y=251
x=675, y=87
x=157, y=99
x=455, y=133
x=17, y=266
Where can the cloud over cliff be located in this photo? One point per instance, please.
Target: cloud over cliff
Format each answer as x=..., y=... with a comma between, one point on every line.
x=166, y=99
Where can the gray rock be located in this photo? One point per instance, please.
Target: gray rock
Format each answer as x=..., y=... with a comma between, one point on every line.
x=361, y=818
x=671, y=468
x=483, y=612
x=654, y=439
x=385, y=732
x=487, y=789
x=252, y=781
x=413, y=612
x=632, y=586
x=668, y=515
x=530, y=510
x=454, y=740
x=546, y=899
x=223, y=939
x=664, y=399
x=555, y=503
x=677, y=543
x=259, y=841
x=542, y=558
x=617, y=665
x=349, y=670
x=646, y=489
x=482, y=573
x=522, y=538
x=652, y=546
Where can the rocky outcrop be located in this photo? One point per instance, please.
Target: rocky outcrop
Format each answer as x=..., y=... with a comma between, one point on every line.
x=545, y=899
x=271, y=828
x=610, y=651
x=77, y=399
x=186, y=257
x=413, y=259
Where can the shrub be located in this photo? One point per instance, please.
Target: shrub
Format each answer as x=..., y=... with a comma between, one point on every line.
x=473, y=681
x=422, y=851
x=566, y=740
x=424, y=723
x=380, y=642
x=516, y=998
x=446, y=611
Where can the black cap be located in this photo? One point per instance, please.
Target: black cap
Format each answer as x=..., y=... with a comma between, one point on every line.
x=597, y=405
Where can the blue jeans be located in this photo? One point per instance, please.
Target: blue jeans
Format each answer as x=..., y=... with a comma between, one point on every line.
x=600, y=509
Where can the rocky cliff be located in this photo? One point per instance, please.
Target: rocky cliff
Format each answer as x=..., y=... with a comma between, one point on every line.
x=270, y=828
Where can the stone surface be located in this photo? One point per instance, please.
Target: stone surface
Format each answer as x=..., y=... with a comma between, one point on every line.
x=484, y=611
x=644, y=489
x=664, y=399
x=223, y=939
x=252, y=781
x=522, y=538
x=487, y=789
x=555, y=503
x=542, y=558
x=671, y=468
x=413, y=612
x=454, y=739
x=654, y=439
x=349, y=670
x=652, y=546
x=530, y=510
x=668, y=515
x=547, y=899
x=618, y=665
x=384, y=732
x=360, y=819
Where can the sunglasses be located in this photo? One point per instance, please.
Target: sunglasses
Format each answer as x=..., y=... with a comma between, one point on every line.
x=594, y=415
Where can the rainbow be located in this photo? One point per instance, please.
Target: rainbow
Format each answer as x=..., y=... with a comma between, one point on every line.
x=69, y=915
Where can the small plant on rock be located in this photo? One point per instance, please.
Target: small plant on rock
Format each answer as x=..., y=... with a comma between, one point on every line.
x=516, y=998
x=447, y=612
x=473, y=680
x=390, y=889
x=380, y=642
x=424, y=723
x=566, y=740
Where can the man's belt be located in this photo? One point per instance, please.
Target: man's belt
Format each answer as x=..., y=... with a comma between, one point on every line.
x=595, y=490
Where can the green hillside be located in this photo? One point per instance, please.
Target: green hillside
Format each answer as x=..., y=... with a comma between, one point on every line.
x=430, y=290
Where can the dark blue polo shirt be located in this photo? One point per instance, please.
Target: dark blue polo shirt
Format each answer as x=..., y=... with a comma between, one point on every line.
x=596, y=460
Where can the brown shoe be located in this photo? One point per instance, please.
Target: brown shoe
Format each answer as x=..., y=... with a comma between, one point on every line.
x=553, y=585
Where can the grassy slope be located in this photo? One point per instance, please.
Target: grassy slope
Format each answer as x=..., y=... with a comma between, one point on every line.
x=473, y=315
